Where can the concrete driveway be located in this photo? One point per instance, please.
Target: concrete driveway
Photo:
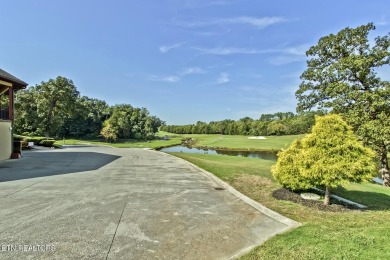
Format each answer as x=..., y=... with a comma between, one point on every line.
x=104, y=203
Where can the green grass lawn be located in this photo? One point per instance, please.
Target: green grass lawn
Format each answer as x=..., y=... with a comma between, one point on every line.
x=323, y=235
x=213, y=141
x=154, y=144
x=229, y=167
x=243, y=142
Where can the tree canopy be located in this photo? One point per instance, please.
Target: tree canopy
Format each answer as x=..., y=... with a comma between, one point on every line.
x=329, y=156
x=341, y=76
x=55, y=108
x=45, y=107
x=280, y=123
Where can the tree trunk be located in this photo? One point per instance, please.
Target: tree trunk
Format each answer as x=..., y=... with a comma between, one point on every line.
x=327, y=196
x=385, y=167
x=49, y=118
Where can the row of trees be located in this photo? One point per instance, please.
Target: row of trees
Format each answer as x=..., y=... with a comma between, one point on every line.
x=55, y=108
x=281, y=123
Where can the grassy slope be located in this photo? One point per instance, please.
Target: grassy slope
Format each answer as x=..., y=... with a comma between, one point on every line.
x=324, y=235
x=242, y=142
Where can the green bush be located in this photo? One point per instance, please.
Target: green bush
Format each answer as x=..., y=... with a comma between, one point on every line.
x=28, y=134
x=35, y=140
x=57, y=146
x=47, y=143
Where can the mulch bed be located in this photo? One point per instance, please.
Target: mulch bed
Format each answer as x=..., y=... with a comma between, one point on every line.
x=335, y=206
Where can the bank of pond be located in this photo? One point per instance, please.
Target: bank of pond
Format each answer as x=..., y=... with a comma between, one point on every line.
x=265, y=155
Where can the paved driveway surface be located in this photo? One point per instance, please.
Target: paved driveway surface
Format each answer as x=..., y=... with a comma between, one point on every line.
x=107, y=203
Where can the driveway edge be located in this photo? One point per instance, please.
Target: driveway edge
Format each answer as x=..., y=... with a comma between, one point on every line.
x=290, y=224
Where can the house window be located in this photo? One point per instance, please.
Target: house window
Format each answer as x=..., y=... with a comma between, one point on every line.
x=4, y=103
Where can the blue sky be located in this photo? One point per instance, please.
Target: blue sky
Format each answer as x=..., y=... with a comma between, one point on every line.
x=184, y=60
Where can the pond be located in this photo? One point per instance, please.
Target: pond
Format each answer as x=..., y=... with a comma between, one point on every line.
x=265, y=155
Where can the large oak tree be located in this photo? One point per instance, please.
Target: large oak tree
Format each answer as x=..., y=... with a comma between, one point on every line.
x=56, y=99
x=341, y=76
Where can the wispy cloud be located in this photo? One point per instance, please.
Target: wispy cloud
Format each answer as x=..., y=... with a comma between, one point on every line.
x=169, y=79
x=231, y=51
x=219, y=3
x=283, y=56
x=223, y=78
x=286, y=59
x=192, y=70
x=290, y=54
x=164, y=49
x=196, y=4
x=258, y=22
x=299, y=50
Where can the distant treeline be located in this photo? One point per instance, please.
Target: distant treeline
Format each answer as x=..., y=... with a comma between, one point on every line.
x=55, y=108
x=281, y=123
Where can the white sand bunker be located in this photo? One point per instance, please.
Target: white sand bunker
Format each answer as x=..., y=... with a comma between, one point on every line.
x=257, y=137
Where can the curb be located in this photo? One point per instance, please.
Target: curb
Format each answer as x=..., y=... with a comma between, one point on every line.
x=91, y=144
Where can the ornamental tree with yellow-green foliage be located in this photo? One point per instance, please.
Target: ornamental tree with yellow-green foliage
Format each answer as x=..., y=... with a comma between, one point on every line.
x=329, y=156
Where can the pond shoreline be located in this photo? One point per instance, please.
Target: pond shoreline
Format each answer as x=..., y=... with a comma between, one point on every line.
x=235, y=149
x=217, y=148
x=250, y=153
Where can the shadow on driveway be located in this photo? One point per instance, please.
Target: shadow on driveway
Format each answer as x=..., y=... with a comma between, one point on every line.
x=50, y=163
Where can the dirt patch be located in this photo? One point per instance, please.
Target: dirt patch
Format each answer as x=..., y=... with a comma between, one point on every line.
x=257, y=188
x=336, y=206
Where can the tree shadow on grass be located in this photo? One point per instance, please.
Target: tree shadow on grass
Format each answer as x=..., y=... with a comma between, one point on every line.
x=50, y=163
x=373, y=200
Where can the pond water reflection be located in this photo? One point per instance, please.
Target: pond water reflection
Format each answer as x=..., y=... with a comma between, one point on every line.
x=265, y=155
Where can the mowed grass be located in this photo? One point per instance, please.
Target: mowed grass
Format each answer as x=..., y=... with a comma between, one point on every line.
x=234, y=142
x=323, y=235
x=154, y=144
x=229, y=167
x=243, y=142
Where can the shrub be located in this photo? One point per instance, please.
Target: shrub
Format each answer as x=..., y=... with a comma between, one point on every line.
x=57, y=146
x=47, y=143
x=330, y=156
x=35, y=140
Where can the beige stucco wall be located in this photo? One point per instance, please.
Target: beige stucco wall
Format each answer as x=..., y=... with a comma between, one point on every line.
x=5, y=140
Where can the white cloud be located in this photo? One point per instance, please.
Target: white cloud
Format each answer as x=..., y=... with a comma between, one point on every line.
x=196, y=4
x=260, y=23
x=164, y=49
x=216, y=3
x=232, y=50
x=286, y=59
x=192, y=70
x=290, y=55
x=223, y=78
x=257, y=22
x=299, y=50
x=169, y=79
